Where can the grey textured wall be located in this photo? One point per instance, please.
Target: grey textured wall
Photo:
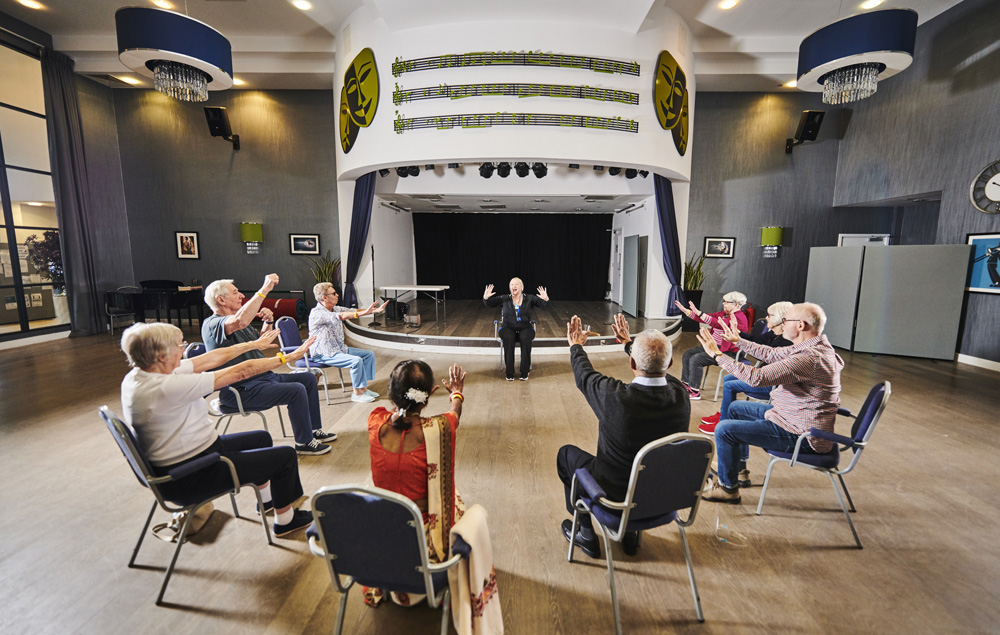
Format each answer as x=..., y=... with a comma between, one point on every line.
x=178, y=178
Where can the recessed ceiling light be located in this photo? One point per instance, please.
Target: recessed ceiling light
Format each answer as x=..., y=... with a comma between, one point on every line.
x=31, y=4
x=302, y=4
x=128, y=80
x=792, y=84
x=536, y=209
x=237, y=81
x=163, y=4
x=871, y=4
x=579, y=209
x=728, y=4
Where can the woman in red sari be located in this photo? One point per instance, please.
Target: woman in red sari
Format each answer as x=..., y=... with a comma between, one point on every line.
x=415, y=456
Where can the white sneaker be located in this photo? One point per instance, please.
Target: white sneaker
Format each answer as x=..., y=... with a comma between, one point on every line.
x=374, y=394
x=365, y=398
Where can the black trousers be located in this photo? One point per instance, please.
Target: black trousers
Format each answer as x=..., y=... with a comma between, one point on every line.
x=569, y=459
x=256, y=461
x=508, y=336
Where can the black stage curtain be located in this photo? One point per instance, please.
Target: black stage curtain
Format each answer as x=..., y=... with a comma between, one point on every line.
x=569, y=254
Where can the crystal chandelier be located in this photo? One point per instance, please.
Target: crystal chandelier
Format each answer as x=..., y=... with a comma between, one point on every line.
x=851, y=83
x=180, y=81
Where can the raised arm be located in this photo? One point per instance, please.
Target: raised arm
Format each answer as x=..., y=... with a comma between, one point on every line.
x=246, y=313
x=454, y=385
x=219, y=356
x=252, y=367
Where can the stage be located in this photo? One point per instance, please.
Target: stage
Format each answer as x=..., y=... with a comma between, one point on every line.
x=469, y=327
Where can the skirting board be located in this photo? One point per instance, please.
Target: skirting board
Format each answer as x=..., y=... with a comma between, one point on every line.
x=988, y=364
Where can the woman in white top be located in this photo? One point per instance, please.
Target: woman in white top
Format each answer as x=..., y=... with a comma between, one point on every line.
x=163, y=401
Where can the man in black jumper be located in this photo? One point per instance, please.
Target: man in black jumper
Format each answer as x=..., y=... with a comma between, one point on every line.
x=652, y=406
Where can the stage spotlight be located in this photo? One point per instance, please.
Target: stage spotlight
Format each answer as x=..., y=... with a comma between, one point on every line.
x=614, y=171
x=503, y=170
x=539, y=169
x=453, y=166
x=631, y=173
x=383, y=172
x=429, y=167
x=522, y=169
x=486, y=170
x=413, y=170
x=643, y=173
x=402, y=172
x=598, y=168
x=574, y=166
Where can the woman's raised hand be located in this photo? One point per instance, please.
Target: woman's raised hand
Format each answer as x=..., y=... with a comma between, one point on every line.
x=620, y=328
x=380, y=309
x=456, y=379
x=543, y=293
x=266, y=340
x=300, y=352
x=488, y=292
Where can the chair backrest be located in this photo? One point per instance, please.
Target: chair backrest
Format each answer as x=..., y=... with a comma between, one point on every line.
x=750, y=311
x=127, y=443
x=759, y=327
x=194, y=349
x=669, y=475
x=871, y=410
x=373, y=535
x=288, y=332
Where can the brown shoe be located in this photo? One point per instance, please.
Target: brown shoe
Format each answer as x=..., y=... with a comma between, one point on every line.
x=744, y=479
x=720, y=494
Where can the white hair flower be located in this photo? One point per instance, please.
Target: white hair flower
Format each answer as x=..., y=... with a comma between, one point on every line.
x=416, y=396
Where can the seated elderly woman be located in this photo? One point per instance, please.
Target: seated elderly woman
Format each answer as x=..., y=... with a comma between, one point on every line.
x=163, y=401
x=326, y=325
x=404, y=445
x=695, y=359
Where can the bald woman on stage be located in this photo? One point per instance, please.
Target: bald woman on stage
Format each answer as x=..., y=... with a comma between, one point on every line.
x=515, y=322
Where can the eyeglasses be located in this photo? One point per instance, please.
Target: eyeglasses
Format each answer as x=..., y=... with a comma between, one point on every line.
x=182, y=345
x=728, y=302
x=784, y=320
x=329, y=294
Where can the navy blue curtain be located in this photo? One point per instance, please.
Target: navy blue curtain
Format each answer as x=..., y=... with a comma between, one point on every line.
x=364, y=194
x=668, y=237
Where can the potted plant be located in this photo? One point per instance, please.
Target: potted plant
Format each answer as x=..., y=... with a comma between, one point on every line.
x=324, y=269
x=694, y=277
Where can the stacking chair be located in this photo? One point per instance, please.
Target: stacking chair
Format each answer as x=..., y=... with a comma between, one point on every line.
x=216, y=409
x=143, y=472
x=829, y=463
x=496, y=336
x=668, y=476
x=291, y=339
x=759, y=328
x=376, y=538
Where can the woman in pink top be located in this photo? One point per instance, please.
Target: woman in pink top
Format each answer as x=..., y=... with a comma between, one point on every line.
x=695, y=359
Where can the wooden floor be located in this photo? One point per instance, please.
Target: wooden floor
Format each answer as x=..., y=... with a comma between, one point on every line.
x=928, y=516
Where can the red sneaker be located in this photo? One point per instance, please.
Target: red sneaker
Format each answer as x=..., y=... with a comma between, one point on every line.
x=713, y=419
x=707, y=428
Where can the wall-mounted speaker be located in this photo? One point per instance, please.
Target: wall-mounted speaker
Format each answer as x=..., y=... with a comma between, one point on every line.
x=809, y=125
x=218, y=125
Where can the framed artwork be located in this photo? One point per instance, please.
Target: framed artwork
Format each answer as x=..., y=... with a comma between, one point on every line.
x=984, y=276
x=304, y=244
x=187, y=245
x=716, y=247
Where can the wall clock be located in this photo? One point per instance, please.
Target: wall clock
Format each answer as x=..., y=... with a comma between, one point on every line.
x=985, y=190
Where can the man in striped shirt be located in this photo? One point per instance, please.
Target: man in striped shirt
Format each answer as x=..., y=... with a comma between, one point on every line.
x=807, y=395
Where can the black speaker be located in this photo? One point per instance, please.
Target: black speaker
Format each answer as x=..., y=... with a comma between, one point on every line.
x=809, y=125
x=218, y=122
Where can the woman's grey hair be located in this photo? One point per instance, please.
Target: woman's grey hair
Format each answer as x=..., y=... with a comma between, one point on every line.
x=779, y=309
x=652, y=351
x=320, y=290
x=143, y=343
x=737, y=297
x=216, y=290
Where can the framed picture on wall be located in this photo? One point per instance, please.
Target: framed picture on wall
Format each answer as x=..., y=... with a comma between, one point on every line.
x=984, y=276
x=304, y=244
x=716, y=247
x=187, y=245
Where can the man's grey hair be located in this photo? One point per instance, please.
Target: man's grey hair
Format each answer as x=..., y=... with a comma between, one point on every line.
x=216, y=290
x=320, y=290
x=814, y=315
x=143, y=343
x=652, y=351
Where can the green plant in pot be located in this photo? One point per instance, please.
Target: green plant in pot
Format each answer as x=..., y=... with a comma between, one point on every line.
x=694, y=277
x=324, y=269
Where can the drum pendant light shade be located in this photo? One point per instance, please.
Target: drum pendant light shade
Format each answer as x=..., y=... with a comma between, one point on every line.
x=186, y=58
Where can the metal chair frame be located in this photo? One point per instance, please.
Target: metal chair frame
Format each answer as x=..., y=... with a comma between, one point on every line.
x=740, y=357
x=310, y=366
x=319, y=547
x=627, y=507
x=144, y=473
x=496, y=336
x=856, y=444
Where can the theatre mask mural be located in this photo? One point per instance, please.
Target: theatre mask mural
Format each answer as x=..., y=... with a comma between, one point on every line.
x=670, y=98
x=358, y=98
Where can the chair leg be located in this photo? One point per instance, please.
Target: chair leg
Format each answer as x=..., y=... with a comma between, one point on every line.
x=767, y=480
x=718, y=384
x=263, y=516
x=340, y=614
x=445, y=610
x=572, y=534
x=343, y=386
x=611, y=579
x=843, y=506
x=225, y=429
x=281, y=421
x=690, y=566
x=236, y=510
x=177, y=552
x=326, y=388
x=847, y=493
x=142, y=534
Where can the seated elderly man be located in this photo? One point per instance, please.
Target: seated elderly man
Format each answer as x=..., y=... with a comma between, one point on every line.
x=629, y=415
x=230, y=324
x=326, y=324
x=806, y=376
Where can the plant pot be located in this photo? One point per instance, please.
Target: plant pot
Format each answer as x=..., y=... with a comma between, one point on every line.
x=689, y=325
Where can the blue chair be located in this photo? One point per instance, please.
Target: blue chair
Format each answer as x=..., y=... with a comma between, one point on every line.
x=216, y=409
x=376, y=538
x=127, y=443
x=668, y=476
x=829, y=463
x=291, y=339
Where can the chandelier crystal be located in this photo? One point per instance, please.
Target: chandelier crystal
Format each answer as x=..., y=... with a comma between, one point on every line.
x=850, y=83
x=180, y=81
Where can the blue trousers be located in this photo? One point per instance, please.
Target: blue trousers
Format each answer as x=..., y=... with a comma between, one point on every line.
x=731, y=386
x=360, y=362
x=298, y=391
x=747, y=426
